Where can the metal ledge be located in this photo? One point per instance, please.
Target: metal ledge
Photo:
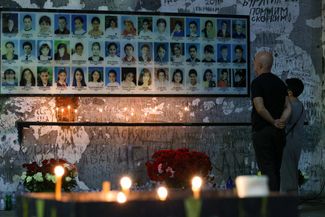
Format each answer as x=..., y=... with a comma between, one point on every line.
x=26, y=124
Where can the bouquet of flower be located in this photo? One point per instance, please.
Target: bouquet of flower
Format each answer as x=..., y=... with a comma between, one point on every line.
x=41, y=178
x=177, y=167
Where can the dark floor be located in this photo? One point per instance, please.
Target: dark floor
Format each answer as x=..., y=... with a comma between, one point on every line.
x=310, y=209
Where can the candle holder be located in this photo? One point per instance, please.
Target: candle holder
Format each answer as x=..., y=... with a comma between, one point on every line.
x=66, y=108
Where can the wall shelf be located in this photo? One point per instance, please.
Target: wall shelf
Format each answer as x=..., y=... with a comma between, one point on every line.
x=26, y=124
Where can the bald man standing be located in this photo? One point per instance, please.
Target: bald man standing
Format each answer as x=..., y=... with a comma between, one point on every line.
x=271, y=109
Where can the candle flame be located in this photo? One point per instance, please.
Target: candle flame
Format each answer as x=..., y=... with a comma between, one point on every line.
x=162, y=193
x=126, y=182
x=59, y=171
x=196, y=183
x=121, y=197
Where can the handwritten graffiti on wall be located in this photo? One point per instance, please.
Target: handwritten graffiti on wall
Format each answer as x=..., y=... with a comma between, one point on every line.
x=275, y=16
x=111, y=151
x=196, y=6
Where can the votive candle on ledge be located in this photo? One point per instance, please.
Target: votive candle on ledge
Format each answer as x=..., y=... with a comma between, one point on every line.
x=196, y=186
x=69, y=110
x=162, y=193
x=106, y=187
x=57, y=113
x=76, y=115
x=62, y=114
x=59, y=172
x=100, y=115
x=121, y=197
x=126, y=184
x=52, y=114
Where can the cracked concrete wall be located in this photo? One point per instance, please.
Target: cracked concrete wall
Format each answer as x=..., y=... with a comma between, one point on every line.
x=294, y=34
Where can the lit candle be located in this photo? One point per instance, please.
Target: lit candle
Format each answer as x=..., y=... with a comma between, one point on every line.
x=52, y=114
x=162, y=193
x=106, y=187
x=75, y=114
x=69, y=112
x=57, y=113
x=126, y=184
x=101, y=115
x=62, y=111
x=59, y=171
x=196, y=186
x=121, y=197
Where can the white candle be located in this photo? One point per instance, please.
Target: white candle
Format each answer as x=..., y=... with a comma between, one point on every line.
x=101, y=115
x=196, y=186
x=57, y=113
x=52, y=114
x=62, y=112
x=106, y=187
x=121, y=197
x=126, y=184
x=75, y=114
x=162, y=193
x=69, y=112
x=59, y=171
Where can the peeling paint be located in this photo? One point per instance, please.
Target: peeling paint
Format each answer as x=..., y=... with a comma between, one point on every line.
x=126, y=148
x=208, y=105
x=314, y=23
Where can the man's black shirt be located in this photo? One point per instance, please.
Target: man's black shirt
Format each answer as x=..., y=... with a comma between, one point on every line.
x=273, y=91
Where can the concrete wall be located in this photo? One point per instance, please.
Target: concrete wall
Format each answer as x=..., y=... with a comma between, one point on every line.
x=295, y=37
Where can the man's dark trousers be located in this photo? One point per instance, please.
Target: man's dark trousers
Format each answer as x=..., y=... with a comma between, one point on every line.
x=268, y=143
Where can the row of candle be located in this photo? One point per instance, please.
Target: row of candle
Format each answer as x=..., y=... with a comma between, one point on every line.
x=126, y=184
x=67, y=114
x=162, y=192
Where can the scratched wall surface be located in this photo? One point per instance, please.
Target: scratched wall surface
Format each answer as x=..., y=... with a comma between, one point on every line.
x=292, y=29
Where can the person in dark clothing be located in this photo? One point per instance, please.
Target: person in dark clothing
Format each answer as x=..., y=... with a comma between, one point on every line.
x=271, y=109
x=10, y=24
x=62, y=26
x=295, y=138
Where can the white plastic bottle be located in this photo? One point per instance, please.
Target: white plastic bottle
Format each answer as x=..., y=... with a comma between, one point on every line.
x=2, y=203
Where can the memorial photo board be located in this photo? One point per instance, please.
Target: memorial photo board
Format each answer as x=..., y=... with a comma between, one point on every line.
x=123, y=53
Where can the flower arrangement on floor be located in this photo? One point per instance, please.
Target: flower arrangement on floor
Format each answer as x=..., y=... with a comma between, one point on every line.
x=41, y=178
x=302, y=178
x=177, y=167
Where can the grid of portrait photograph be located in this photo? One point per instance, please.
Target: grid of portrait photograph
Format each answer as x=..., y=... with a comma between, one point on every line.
x=77, y=53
